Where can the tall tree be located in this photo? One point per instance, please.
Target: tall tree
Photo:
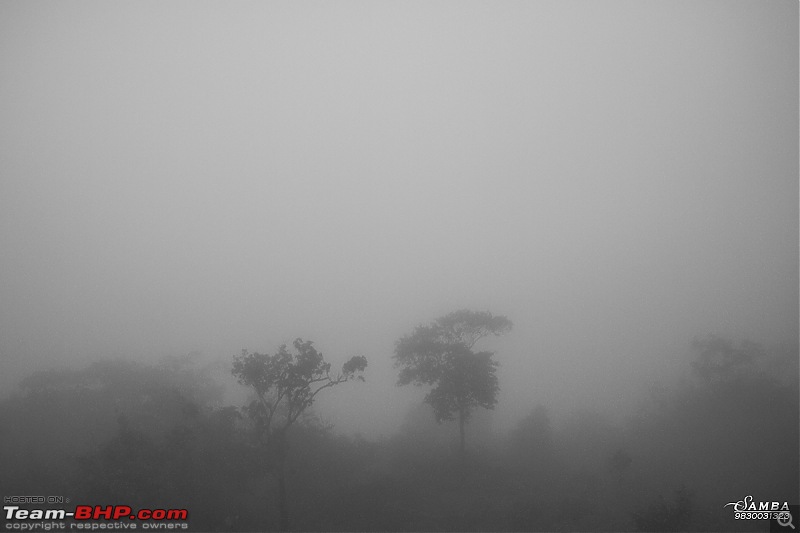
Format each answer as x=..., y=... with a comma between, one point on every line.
x=441, y=355
x=286, y=384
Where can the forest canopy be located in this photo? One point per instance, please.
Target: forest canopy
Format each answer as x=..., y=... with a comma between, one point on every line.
x=159, y=435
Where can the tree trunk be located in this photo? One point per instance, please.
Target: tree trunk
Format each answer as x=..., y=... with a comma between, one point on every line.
x=282, y=503
x=461, y=417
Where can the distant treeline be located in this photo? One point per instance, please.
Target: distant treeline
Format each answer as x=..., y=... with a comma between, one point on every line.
x=158, y=436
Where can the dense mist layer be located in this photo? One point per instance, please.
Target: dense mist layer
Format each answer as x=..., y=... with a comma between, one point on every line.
x=619, y=179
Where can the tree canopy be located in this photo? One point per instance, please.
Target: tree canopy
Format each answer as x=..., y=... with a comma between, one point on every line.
x=286, y=384
x=289, y=382
x=441, y=354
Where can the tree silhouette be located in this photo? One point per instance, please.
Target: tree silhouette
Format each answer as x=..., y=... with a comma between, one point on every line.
x=532, y=439
x=441, y=354
x=286, y=384
x=719, y=361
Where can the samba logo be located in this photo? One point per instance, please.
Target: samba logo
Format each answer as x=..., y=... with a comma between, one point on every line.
x=747, y=504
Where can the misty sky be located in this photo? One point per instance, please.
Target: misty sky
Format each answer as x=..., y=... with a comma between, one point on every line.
x=615, y=177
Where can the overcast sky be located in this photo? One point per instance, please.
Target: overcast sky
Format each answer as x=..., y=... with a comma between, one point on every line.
x=615, y=177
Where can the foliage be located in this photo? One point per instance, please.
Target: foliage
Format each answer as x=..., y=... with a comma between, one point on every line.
x=203, y=464
x=619, y=461
x=286, y=383
x=532, y=439
x=718, y=360
x=155, y=436
x=468, y=379
x=663, y=515
x=422, y=355
x=732, y=430
x=440, y=354
x=57, y=415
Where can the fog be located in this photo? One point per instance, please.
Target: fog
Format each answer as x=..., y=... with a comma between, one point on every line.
x=617, y=178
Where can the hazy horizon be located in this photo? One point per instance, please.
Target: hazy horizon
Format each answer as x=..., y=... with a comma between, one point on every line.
x=616, y=178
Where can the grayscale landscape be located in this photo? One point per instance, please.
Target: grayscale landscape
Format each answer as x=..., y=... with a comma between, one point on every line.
x=400, y=266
